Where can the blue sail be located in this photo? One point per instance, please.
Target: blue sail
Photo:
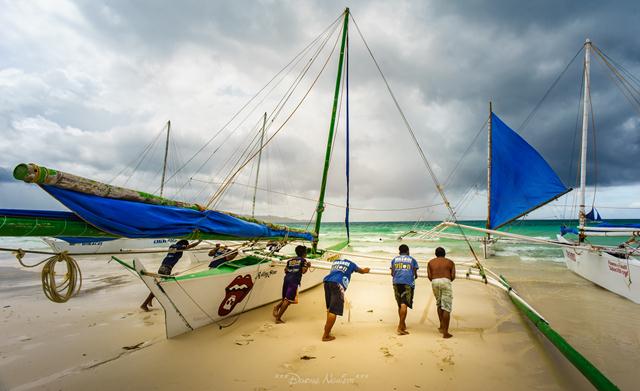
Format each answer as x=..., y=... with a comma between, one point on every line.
x=521, y=180
x=132, y=219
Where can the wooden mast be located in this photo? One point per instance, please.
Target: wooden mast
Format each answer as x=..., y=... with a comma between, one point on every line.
x=585, y=128
x=166, y=152
x=255, y=187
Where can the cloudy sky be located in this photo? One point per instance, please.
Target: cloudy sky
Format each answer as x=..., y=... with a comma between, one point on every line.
x=87, y=87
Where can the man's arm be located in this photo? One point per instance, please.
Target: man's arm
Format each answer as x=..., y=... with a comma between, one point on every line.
x=453, y=271
x=306, y=266
x=192, y=245
x=363, y=271
x=391, y=269
x=429, y=271
x=415, y=269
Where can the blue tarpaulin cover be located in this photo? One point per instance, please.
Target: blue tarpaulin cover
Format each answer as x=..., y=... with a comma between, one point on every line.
x=139, y=220
x=521, y=180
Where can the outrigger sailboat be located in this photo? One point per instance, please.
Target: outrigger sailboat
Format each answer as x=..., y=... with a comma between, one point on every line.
x=615, y=269
x=519, y=181
x=516, y=189
x=192, y=300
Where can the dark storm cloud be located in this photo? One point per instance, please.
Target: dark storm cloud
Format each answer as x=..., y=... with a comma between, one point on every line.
x=92, y=95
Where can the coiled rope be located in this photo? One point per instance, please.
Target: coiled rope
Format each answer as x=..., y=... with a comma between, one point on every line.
x=55, y=290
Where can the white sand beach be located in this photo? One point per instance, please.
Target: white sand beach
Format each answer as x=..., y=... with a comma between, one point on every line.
x=102, y=340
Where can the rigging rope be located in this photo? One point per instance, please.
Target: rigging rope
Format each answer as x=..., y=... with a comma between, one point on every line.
x=437, y=184
x=254, y=97
x=281, y=126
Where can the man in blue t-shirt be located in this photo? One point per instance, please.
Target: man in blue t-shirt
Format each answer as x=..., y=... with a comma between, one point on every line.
x=335, y=283
x=293, y=271
x=169, y=261
x=404, y=270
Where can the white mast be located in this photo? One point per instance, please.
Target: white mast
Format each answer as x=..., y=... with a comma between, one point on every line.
x=166, y=152
x=255, y=188
x=585, y=127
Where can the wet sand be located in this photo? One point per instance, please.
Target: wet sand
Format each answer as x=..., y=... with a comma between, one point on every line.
x=101, y=340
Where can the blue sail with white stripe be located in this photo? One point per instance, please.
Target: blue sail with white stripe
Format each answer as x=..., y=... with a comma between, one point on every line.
x=521, y=180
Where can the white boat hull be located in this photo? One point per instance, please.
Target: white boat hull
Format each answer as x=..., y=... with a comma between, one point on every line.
x=191, y=303
x=109, y=246
x=618, y=275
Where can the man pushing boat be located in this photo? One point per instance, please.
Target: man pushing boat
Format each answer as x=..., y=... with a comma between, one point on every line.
x=335, y=283
x=441, y=272
x=293, y=272
x=173, y=256
x=404, y=271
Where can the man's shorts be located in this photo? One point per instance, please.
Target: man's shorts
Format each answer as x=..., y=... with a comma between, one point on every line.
x=334, y=297
x=290, y=290
x=404, y=294
x=165, y=269
x=443, y=293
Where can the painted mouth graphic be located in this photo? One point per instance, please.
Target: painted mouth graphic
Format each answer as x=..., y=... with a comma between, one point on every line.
x=235, y=293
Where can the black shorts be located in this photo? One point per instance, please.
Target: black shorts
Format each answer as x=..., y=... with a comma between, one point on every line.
x=404, y=294
x=165, y=269
x=334, y=297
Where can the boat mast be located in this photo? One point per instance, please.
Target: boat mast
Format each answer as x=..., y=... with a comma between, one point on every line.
x=585, y=127
x=255, y=187
x=327, y=158
x=488, y=238
x=166, y=152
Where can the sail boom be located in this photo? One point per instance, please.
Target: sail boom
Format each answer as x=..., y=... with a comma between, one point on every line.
x=534, y=208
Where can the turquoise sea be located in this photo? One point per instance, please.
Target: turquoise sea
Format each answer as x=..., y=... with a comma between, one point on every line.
x=382, y=238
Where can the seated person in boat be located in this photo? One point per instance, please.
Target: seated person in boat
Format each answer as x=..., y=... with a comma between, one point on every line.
x=293, y=272
x=169, y=261
x=441, y=272
x=335, y=283
x=221, y=254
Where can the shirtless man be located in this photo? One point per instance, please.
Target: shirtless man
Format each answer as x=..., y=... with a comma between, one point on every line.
x=441, y=271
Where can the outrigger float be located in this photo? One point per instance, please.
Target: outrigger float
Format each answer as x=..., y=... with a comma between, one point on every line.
x=192, y=300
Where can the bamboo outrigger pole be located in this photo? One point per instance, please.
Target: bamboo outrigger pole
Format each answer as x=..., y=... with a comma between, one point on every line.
x=327, y=158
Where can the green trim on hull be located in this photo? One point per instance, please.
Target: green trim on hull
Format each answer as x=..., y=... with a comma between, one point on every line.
x=38, y=226
x=224, y=269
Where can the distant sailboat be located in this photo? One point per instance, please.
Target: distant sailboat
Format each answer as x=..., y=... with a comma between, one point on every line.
x=519, y=181
x=614, y=269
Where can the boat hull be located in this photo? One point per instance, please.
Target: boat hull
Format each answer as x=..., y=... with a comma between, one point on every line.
x=191, y=303
x=618, y=275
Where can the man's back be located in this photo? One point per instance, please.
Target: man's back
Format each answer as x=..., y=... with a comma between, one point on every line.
x=441, y=267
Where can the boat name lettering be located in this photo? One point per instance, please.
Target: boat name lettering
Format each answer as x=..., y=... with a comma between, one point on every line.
x=265, y=274
x=619, y=268
x=571, y=256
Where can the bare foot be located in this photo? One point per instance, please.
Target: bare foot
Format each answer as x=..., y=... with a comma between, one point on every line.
x=447, y=335
x=145, y=308
x=402, y=332
x=327, y=338
x=279, y=321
